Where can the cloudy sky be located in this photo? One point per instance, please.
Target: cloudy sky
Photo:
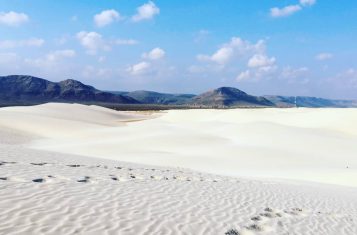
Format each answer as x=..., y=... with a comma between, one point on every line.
x=287, y=47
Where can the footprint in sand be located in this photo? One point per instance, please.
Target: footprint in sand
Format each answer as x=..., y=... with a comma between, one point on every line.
x=114, y=178
x=294, y=211
x=74, y=165
x=39, y=180
x=39, y=164
x=268, y=214
x=5, y=163
x=232, y=232
x=255, y=228
x=85, y=179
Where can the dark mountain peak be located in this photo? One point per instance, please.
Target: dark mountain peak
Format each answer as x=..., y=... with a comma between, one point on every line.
x=74, y=84
x=229, y=90
x=229, y=96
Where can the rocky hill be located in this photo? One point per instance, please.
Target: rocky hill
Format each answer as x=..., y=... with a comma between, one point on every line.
x=28, y=89
x=229, y=97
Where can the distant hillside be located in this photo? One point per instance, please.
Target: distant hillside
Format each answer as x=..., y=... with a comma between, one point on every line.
x=313, y=102
x=229, y=97
x=27, y=89
x=151, y=97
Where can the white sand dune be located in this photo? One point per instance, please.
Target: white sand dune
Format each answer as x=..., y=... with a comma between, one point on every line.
x=302, y=144
x=48, y=185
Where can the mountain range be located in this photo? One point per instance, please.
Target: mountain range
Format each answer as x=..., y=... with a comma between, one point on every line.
x=29, y=90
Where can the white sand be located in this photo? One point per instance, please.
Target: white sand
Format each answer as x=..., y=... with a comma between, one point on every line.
x=96, y=197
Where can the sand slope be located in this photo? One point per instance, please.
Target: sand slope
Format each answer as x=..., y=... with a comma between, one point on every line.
x=46, y=189
x=303, y=144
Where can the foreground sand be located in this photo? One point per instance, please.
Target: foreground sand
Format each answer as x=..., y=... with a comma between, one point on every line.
x=46, y=190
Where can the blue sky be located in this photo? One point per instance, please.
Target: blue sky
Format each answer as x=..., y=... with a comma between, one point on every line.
x=287, y=47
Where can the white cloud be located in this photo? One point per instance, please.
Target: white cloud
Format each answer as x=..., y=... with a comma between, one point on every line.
x=92, y=41
x=285, y=11
x=244, y=76
x=32, y=42
x=324, y=56
x=139, y=69
x=106, y=17
x=13, y=18
x=223, y=55
x=235, y=55
x=291, y=9
x=236, y=46
x=126, y=42
x=307, y=2
x=146, y=12
x=260, y=60
x=155, y=54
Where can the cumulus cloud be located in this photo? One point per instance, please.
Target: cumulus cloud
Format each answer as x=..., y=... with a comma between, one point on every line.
x=291, y=9
x=245, y=75
x=236, y=46
x=324, y=56
x=106, y=17
x=92, y=41
x=285, y=11
x=155, y=54
x=146, y=12
x=139, y=69
x=307, y=2
x=13, y=18
x=248, y=59
x=260, y=60
x=32, y=42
